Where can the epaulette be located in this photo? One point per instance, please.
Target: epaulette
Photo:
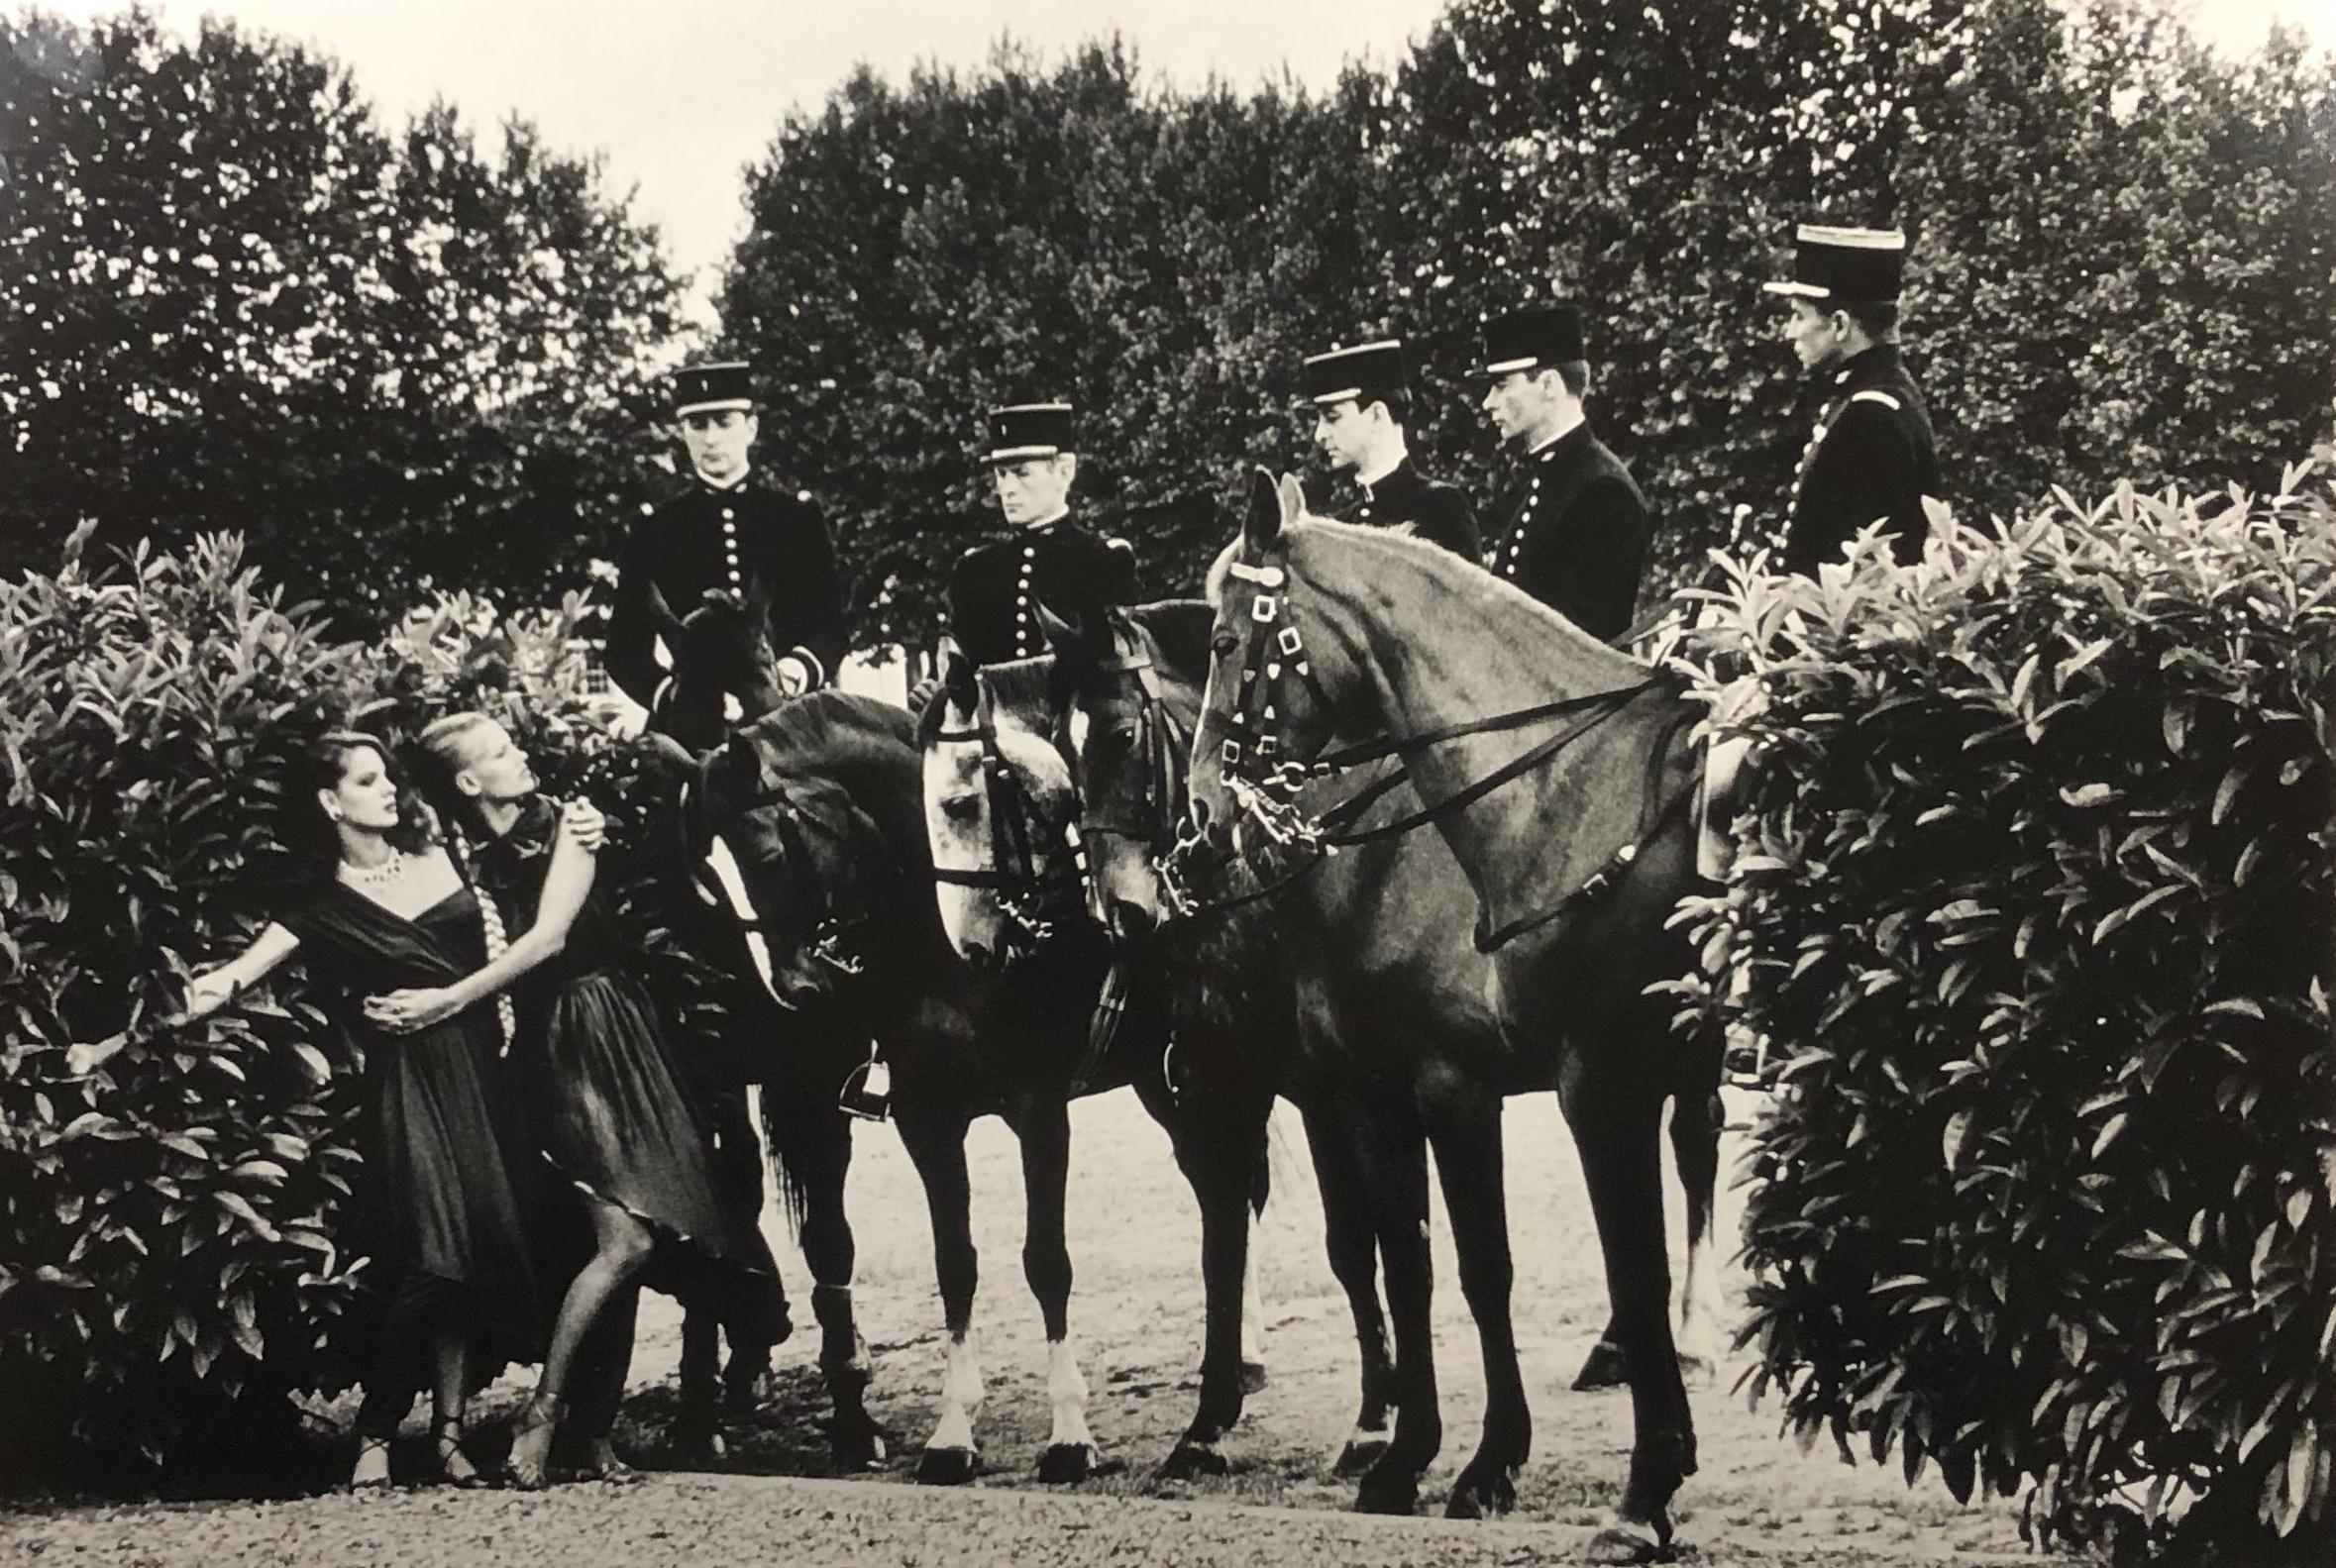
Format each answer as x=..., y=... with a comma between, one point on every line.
x=1871, y=395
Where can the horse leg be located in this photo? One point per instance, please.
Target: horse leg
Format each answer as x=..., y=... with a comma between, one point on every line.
x=1252, y=1291
x=1697, y=1118
x=1463, y=1116
x=1617, y=1131
x=1220, y=1144
x=818, y=1162
x=1352, y=1244
x=697, y=1421
x=1045, y=1131
x=1398, y=1178
x=936, y=1147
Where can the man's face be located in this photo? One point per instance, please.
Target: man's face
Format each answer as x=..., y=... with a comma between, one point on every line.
x=1813, y=334
x=1033, y=489
x=1518, y=403
x=1345, y=431
x=718, y=440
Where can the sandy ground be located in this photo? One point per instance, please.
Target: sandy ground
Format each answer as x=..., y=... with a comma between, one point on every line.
x=1136, y=1315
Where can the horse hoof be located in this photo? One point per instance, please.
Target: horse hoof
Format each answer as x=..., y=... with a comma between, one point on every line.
x=1606, y=1367
x=859, y=1450
x=1253, y=1377
x=1386, y=1491
x=945, y=1467
x=1478, y=1496
x=1627, y=1541
x=1191, y=1460
x=1357, y=1457
x=1064, y=1463
x=701, y=1450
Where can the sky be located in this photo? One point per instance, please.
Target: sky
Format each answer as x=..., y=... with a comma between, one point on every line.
x=680, y=96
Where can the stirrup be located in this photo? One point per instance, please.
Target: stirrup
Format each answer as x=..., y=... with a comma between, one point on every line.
x=445, y=1432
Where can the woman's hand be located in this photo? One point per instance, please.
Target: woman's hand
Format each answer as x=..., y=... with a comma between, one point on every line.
x=206, y=995
x=404, y=1011
x=581, y=821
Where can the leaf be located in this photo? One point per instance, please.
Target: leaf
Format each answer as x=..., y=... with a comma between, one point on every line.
x=1951, y=1144
x=320, y=1071
x=2111, y=1131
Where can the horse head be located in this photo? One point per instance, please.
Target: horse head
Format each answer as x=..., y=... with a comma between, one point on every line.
x=1128, y=729
x=1275, y=659
x=723, y=670
x=997, y=804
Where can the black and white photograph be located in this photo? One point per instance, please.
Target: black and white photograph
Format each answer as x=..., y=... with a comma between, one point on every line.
x=1327, y=784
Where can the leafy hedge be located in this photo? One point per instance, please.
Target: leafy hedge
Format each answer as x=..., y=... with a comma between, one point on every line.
x=171, y=1203
x=2034, y=898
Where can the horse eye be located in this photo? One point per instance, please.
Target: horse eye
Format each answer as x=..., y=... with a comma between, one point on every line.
x=1225, y=644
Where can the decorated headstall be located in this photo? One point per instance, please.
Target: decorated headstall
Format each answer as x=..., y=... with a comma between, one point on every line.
x=1258, y=770
x=1152, y=819
x=801, y=813
x=1015, y=874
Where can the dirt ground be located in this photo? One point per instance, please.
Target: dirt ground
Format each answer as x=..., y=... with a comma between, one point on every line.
x=1136, y=1315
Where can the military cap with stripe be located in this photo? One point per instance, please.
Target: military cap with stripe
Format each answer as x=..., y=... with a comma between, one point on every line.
x=1843, y=267
x=1538, y=338
x=1018, y=431
x=1368, y=372
x=705, y=388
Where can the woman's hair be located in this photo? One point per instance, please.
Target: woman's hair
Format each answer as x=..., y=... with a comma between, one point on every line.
x=442, y=750
x=322, y=765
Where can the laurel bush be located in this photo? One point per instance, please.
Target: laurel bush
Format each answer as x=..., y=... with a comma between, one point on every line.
x=2032, y=901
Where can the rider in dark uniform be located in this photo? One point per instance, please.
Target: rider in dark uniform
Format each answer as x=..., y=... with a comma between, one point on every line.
x=1573, y=528
x=1051, y=559
x=725, y=532
x=1872, y=456
x=1362, y=403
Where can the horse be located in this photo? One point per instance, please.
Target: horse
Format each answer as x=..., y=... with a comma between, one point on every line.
x=1398, y=1043
x=1003, y=819
x=819, y=806
x=1577, y=848
x=721, y=674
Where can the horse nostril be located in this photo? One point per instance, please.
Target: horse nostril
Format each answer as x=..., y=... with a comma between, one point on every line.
x=1201, y=816
x=1130, y=920
x=978, y=954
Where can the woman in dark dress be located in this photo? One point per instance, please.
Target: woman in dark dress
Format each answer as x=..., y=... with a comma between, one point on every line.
x=592, y=1063
x=437, y=1204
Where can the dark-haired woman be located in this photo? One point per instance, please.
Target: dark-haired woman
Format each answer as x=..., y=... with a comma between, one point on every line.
x=593, y=1067
x=438, y=1209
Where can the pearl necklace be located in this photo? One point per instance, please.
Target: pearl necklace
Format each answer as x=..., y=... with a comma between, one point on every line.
x=380, y=875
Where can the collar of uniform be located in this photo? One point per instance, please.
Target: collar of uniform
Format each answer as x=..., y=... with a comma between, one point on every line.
x=1043, y=523
x=1402, y=476
x=1565, y=440
x=1403, y=457
x=1867, y=365
x=731, y=488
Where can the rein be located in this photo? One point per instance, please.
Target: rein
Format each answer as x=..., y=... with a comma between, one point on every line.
x=1013, y=857
x=1268, y=784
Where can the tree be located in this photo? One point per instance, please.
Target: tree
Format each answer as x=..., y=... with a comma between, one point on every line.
x=232, y=302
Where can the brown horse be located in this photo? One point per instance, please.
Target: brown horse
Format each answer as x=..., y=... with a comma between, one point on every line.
x=820, y=805
x=1399, y=1046
x=1558, y=773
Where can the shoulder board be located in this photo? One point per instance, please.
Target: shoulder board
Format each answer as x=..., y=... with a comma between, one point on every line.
x=1871, y=395
x=1114, y=542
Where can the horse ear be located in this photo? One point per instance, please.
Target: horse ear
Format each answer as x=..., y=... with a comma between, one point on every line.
x=1263, y=528
x=671, y=754
x=957, y=676
x=1292, y=499
x=1063, y=635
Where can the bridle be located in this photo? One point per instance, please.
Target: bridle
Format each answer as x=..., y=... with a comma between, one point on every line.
x=837, y=932
x=1265, y=775
x=1165, y=745
x=1014, y=873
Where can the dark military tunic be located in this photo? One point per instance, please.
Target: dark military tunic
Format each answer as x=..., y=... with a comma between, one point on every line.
x=741, y=538
x=1574, y=533
x=1872, y=456
x=994, y=589
x=1437, y=513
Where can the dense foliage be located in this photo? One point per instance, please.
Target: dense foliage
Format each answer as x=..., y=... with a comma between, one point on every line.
x=2036, y=900
x=229, y=300
x=2121, y=252
x=173, y=1232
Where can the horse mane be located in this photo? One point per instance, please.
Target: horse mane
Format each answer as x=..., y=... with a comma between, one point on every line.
x=1019, y=686
x=1442, y=564
x=1180, y=629
x=829, y=729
